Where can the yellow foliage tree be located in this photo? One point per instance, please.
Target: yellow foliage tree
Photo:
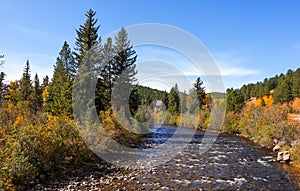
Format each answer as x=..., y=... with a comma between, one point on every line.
x=258, y=102
x=296, y=104
x=45, y=95
x=268, y=100
x=13, y=86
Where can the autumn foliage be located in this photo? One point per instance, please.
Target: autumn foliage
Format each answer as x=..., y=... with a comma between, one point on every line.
x=296, y=105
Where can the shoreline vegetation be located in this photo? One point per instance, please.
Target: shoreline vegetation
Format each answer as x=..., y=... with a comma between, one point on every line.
x=268, y=114
x=38, y=132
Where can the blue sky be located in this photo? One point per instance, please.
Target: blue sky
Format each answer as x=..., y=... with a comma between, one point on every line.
x=250, y=40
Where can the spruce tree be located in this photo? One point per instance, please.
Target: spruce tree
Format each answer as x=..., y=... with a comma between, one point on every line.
x=45, y=82
x=174, y=101
x=25, y=85
x=124, y=59
x=60, y=91
x=283, y=92
x=200, y=92
x=296, y=83
x=105, y=84
x=67, y=60
x=165, y=99
x=87, y=55
x=234, y=100
x=123, y=70
x=87, y=37
x=37, y=94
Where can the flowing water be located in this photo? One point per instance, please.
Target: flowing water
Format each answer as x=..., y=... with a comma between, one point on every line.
x=231, y=163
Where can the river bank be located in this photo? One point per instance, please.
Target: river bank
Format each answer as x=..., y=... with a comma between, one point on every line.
x=291, y=168
x=231, y=163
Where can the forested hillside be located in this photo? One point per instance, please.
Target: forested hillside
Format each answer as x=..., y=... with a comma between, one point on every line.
x=284, y=88
x=267, y=112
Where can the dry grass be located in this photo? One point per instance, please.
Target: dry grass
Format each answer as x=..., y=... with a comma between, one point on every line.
x=295, y=171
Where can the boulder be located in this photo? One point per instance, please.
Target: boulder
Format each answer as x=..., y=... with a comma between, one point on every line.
x=276, y=148
x=279, y=156
x=284, y=156
x=272, y=160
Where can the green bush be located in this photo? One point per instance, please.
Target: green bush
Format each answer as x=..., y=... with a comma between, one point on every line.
x=295, y=153
x=263, y=124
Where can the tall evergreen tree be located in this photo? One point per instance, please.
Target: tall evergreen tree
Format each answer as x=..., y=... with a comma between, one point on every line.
x=67, y=60
x=105, y=84
x=165, y=99
x=174, y=101
x=234, y=100
x=296, y=83
x=87, y=50
x=25, y=84
x=283, y=92
x=60, y=92
x=37, y=94
x=123, y=69
x=45, y=82
x=200, y=92
x=125, y=58
x=87, y=37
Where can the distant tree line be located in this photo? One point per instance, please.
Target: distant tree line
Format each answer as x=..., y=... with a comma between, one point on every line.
x=284, y=89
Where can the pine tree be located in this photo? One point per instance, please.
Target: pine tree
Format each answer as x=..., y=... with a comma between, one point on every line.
x=67, y=60
x=296, y=83
x=234, y=100
x=283, y=92
x=165, y=99
x=87, y=55
x=59, y=100
x=87, y=37
x=266, y=88
x=174, y=101
x=45, y=82
x=200, y=92
x=37, y=94
x=124, y=59
x=105, y=84
x=25, y=85
x=123, y=70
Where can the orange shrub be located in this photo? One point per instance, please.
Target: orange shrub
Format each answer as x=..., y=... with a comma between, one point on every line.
x=296, y=105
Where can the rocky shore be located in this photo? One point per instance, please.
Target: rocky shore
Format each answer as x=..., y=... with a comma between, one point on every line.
x=230, y=164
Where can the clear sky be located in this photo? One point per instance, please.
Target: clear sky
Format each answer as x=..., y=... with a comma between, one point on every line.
x=250, y=40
